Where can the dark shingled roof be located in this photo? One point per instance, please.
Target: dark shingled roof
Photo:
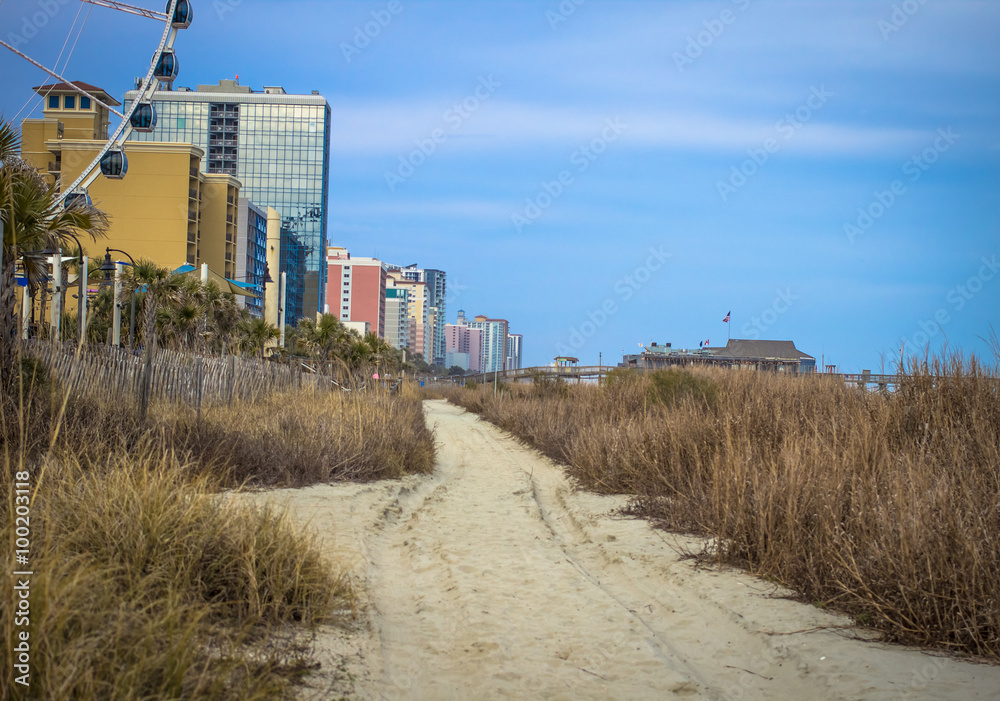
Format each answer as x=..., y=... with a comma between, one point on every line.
x=86, y=87
x=743, y=348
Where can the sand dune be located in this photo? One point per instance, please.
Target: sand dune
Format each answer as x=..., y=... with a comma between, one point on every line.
x=494, y=578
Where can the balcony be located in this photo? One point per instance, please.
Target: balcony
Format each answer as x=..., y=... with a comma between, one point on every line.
x=229, y=218
x=55, y=167
x=192, y=215
x=194, y=171
x=193, y=193
x=192, y=237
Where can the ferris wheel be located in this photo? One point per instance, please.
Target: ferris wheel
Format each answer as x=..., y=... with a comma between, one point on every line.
x=141, y=115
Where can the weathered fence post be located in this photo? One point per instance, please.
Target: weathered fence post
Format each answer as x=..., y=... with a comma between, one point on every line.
x=232, y=378
x=200, y=361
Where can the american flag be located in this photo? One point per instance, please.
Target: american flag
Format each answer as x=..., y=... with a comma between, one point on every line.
x=726, y=320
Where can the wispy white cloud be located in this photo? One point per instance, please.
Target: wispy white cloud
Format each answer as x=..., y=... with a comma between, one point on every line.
x=392, y=127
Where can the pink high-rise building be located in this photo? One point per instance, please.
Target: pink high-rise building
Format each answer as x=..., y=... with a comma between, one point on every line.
x=464, y=346
x=355, y=288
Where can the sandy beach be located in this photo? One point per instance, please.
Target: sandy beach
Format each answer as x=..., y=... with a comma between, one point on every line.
x=494, y=577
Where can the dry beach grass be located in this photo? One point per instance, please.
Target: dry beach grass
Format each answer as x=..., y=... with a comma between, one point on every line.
x=149, y=582
x=883, y=506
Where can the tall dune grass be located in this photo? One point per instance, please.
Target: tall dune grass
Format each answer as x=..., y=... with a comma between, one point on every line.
x=150, y=581
x=148, y=585
x=884, y=506
x=289, y=439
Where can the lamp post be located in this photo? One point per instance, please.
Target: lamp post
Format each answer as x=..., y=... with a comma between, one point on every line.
x=108, y=268
x=81, y=302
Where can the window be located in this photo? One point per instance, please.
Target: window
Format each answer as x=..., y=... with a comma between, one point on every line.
x=69, y=102
x=182, y=122
x=53, y=102
x=85, y=103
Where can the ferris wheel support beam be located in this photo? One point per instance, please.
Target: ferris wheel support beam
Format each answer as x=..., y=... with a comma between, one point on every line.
x=59, y=77
x=149, y=85
x=131, y=9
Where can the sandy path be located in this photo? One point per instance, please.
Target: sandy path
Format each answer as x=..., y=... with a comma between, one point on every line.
x=494, y=578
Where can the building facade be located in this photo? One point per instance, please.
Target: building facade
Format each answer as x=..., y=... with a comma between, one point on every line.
x=251, y=254
x=514, y=351
x=494, y=342
x=165, y=209
x=356, y=288
x=737, y=354
x=437, y=291
x=277, y=145
x=397, y=314
x=463, y=346
x=420, y=331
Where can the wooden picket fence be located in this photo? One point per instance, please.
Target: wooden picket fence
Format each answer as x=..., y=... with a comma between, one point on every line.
x=117, y=373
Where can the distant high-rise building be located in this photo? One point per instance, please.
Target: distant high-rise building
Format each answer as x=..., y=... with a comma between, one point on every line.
x=420, y=332
x=356, y=288
x=494, y=342
x=514, y=351
x=463, y=346
x=436, y=299
x=397, y=323
x=251, y=254
x=277, y=145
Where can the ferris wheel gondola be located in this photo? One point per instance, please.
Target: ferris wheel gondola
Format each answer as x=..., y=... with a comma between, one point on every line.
x=144, y=117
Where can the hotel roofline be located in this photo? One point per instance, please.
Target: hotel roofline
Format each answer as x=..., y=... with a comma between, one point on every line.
x=230, y=91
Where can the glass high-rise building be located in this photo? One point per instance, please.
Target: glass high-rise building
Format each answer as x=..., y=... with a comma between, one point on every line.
x=437, y=299
x=278, y=146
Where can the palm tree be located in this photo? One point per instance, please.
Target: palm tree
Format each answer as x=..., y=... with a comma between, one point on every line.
x=256, y=334
x=222, y=316
x=159, y=286
x=34, y=219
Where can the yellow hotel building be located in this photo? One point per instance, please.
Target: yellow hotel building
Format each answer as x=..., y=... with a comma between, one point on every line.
x=164, y=209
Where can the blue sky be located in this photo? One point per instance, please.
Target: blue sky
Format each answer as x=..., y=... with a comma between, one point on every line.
x=607, y=173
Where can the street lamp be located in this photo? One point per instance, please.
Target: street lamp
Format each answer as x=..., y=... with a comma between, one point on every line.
x=108, y=268
x=81, y=302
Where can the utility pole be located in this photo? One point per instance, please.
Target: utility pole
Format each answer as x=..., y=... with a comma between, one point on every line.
x=56, y=309
x=116, y=329
x=81, y=302
x=281, y=311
